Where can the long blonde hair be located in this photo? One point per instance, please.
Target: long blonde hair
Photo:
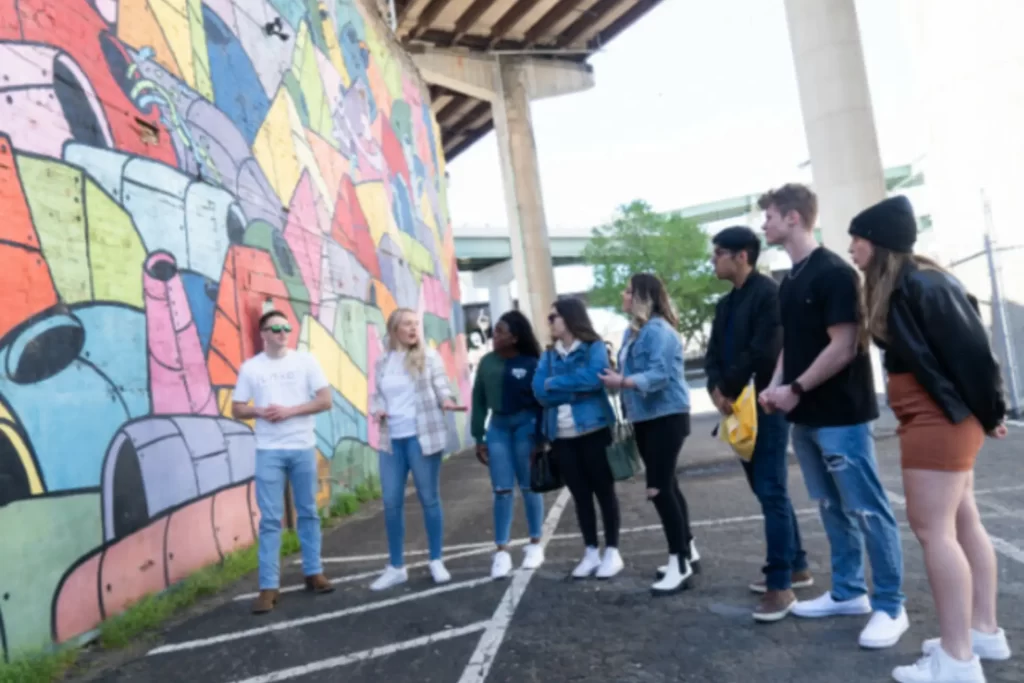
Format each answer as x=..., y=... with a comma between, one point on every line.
x=880, y=278
x=416, y=355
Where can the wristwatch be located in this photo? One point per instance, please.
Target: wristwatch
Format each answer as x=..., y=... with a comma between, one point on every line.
x=796, y=388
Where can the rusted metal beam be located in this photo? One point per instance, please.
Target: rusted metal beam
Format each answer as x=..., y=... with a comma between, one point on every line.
x=509, y=19
x=553, y=16
x=464, y=24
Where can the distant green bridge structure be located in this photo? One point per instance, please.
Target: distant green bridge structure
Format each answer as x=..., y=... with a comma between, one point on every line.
x=478, y=251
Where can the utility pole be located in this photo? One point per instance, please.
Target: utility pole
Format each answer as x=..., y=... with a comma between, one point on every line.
x=999, y=317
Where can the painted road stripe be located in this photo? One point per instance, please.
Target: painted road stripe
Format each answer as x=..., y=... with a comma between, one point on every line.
x=364, y=655
x=384, y=556
x=315, y=619
x=490, y=642
x=349, y=578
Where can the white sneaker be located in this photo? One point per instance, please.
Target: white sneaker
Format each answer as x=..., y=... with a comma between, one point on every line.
x=391, y=577
x=533, y=556
x=939, y=667
x=611, y=564
x=588, y=565
x=992, y=646
x=825, y=606
x=884, y=631
x=501, y=567
x=675, y=577
x=438, y=571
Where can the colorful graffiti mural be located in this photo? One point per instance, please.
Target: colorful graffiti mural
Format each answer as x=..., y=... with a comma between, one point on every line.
x=168, y=170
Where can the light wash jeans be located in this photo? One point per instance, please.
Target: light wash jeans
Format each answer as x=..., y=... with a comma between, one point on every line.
x=407, y=455
x=842, y=475
x=510, y=442
x=273, y=467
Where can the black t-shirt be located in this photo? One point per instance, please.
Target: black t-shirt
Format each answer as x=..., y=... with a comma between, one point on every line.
x=822, y=291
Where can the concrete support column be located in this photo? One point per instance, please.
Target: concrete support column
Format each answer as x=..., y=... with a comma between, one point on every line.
x=528, y=232
x=838, y=119
x=501, y=300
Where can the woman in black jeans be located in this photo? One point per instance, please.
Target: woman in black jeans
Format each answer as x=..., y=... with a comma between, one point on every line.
x=656, y=400
x=577, y=422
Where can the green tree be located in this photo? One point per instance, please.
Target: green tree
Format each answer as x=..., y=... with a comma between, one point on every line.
x=672, y=247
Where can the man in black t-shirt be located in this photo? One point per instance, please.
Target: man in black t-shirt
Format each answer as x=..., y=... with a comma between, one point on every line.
x=824, y=385
x=746, y=337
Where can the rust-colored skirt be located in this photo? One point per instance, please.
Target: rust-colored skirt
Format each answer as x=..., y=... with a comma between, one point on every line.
x=928, y=440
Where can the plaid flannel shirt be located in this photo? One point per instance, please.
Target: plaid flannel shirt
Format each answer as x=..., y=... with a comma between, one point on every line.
x=432, y=388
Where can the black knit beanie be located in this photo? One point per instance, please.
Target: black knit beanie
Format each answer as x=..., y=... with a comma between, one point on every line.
x=890, y=224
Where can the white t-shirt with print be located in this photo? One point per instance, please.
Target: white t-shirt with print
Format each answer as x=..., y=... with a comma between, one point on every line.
x=288, y=381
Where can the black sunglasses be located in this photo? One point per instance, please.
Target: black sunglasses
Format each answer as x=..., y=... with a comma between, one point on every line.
x=278, y=328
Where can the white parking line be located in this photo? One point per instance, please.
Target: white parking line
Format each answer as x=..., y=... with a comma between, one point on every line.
x=362, y=656
x=349, y=578
x=474, y=549
x=315, y=619
x=490, y=642
x=384, y=556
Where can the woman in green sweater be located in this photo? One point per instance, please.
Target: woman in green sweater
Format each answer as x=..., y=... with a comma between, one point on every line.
x=503, y=388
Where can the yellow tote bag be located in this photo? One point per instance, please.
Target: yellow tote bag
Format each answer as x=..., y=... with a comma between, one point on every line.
x=739, y=430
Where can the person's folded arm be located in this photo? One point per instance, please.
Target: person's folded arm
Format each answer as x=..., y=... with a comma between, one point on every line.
x=765, y=340
x=655, y=376
x=583, y=379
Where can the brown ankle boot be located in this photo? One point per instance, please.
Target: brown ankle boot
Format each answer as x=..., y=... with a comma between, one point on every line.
x=265, y=602
x=319, y=584
x=774, y=606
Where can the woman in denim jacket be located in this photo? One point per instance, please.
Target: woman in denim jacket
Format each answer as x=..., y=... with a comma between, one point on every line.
x=577, y=422
x=656, y=400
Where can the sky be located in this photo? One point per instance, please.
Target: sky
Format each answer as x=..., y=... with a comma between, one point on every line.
x=695, y=102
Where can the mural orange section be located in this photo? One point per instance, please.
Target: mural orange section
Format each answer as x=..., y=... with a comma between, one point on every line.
x=165, y=178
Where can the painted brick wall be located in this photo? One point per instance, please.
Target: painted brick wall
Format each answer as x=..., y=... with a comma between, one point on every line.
x=167, y=170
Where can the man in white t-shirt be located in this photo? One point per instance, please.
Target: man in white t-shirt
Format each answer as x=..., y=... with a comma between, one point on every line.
x=287, y=389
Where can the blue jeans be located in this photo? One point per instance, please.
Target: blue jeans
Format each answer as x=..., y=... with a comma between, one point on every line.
x=407, y=455
x=769, y=477
x=273, y=466
x=842, y=475
x=510, y=442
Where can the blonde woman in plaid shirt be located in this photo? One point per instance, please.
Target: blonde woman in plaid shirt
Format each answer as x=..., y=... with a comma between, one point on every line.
x=410, y=397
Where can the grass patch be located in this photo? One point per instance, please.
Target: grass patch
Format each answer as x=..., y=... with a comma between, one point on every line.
x=39, y=667
x=154, y=610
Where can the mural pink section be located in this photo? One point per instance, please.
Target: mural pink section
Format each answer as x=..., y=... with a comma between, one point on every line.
x=179, y=380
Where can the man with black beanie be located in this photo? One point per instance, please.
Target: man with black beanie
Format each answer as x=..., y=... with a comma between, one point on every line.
x=746, y=337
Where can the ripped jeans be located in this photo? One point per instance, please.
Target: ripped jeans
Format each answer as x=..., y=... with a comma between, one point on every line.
x=841, y=473
x=510, y=442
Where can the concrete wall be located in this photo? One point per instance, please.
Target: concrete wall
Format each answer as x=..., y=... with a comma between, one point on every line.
x=167, y=170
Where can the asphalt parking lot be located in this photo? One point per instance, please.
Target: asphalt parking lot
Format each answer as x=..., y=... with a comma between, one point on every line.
x=539, y=626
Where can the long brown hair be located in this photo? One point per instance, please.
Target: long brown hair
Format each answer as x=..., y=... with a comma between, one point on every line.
x=880, y=279
x=650, y=298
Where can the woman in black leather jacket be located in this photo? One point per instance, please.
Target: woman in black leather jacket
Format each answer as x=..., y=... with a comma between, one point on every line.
x=945, y=388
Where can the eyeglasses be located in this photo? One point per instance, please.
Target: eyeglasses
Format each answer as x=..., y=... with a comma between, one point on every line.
x=278, y=328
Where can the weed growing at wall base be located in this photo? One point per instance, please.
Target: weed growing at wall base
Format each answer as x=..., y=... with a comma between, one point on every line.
x=152, y=611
